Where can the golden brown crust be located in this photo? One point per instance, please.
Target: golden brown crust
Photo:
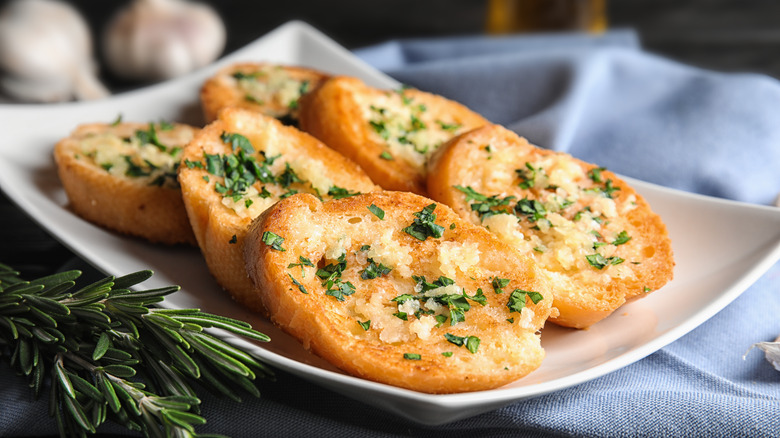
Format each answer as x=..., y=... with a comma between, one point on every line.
x=136, y=206
x=224, y=89
x=352, y=118
x=319, y=234
x=580, y=217
x=220, y=220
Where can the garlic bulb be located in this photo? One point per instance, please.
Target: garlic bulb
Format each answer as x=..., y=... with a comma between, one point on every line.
x=46, y=53
x=161, y=39
x=771, y=351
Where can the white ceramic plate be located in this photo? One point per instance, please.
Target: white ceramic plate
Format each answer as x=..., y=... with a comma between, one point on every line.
x=721, y=247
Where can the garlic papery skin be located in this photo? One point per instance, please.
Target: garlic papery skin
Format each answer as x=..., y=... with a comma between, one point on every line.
x=46, y=53
x=153, y=40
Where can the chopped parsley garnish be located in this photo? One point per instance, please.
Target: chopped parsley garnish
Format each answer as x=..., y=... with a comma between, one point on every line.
x=606, y=191
x=273, y=240
x=135, y=170
x=340, y=289
x=365, y=325
x=486, y=206
x=479, y=297
x=424, y=225
x=518, y=297
x=233, y=239
x=401, y=315
x=150, y=137
x=337, y=193
x=499, y=284
x=193, y=164
x=248, y=76
x=412, y=356
x=298, y=284
x=622, y=238
x=531, y=208
x=457, y=303
x=374, y=270
x=380, y=128
x=302, y=262
x=331, y=276
x=457, y=340
x=386, y=156
x=288, y=177
x=471, y=342
x=595, y=174
x=451, y=127
x=528, y=175
x=447, y=354
x=288, y=193
x=378, y=212
x=237, y=141
x=598, y=261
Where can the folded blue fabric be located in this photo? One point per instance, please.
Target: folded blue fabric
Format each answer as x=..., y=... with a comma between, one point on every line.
x=603, y=100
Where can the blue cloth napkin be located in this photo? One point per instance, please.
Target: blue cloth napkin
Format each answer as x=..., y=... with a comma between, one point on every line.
x=603, y=100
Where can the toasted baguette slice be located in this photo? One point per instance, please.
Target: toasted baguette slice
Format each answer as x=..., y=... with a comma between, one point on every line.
x=123, y=177
x=391, y=134
x=593, y=232
x=347, y=279
x=270, y=89
x=264, y=161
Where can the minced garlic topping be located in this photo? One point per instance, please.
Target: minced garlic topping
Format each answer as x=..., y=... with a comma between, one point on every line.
x=567, y=217
x=409, y=131
x=132, y=157
x=271, y=85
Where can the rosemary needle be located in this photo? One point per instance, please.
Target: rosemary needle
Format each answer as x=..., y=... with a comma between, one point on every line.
x=113, y=355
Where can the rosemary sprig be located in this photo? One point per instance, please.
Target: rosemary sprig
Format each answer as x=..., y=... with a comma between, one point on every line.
x=112, y=354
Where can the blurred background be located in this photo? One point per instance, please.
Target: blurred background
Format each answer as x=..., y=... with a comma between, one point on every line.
x=724, y=35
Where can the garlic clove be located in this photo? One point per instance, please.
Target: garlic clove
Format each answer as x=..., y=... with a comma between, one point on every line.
x=46, y=53
x=161, y=39
x=771, y=351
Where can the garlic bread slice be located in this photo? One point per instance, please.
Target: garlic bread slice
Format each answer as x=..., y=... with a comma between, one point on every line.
x=241, y=164
x=122, y=176
x=596, y=236
x=271, y=89
x=389, y=133
x=395, y=288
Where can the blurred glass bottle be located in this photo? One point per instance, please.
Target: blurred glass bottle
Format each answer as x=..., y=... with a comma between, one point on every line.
x=513, y=16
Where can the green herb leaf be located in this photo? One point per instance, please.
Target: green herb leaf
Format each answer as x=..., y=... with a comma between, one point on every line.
x=273, y=240
x=374, y=270
x=237, y=141
x=622, y=238
x=424, y=224
x=598, y=261
x=378, y=212
x=338, y=193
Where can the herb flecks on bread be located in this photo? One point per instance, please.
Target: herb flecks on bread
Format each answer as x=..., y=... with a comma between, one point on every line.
x=390, y=133
x=591, y=231
x=271, y=89
x=122, y=176
x=394, y=288
x=240, y=165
